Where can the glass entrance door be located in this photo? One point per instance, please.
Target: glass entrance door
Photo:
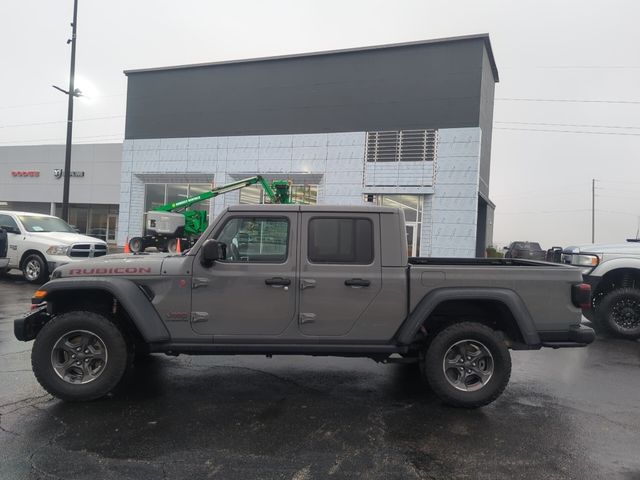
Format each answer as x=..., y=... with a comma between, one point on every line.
x=412, y=239
x=112, y=225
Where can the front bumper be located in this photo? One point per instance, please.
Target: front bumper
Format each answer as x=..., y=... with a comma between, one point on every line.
x=27, y=327
x=577, y=336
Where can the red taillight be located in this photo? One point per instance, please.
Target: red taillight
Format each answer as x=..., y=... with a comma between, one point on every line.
x=581, y=295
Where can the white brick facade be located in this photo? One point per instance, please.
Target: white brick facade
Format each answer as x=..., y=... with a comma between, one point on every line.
x=333, y=161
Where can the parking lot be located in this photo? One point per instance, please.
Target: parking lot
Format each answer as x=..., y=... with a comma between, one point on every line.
x=572, y=413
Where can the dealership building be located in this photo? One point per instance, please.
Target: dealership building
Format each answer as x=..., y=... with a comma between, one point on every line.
x=404, y=125
x=31, y=180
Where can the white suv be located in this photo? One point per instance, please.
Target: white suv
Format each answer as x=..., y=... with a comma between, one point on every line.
x=38, y=244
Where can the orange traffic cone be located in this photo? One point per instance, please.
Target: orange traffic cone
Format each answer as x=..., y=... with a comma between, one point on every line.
x=126, y=246
x=178, y=249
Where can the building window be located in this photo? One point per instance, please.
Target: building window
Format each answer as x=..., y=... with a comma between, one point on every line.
x=340, y=240
x=411, y=205
x=401, y=146
x=158, y=194
x=300, y=194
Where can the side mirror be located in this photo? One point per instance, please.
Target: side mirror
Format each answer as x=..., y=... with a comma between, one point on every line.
x=213, y=250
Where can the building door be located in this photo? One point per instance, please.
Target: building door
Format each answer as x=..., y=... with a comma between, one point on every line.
x=253, y=291
x=340, y=271
x=112, y=226
x=412, y=239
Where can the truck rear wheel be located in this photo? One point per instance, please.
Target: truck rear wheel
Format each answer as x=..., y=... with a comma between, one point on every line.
x=619, y=312
x=467, y=365
x=79, y=356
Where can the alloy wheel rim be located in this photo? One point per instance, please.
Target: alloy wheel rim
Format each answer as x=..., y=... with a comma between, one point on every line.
x=32, y=270
x=79, y=357
x=468, y=365
x=626, y=314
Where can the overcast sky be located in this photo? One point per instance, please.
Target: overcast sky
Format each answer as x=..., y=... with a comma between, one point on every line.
x=541, y=168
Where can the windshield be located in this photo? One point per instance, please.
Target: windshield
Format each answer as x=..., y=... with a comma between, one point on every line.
x=45, y=224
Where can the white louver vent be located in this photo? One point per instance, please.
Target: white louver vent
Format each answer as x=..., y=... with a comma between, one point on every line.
x=402, y=145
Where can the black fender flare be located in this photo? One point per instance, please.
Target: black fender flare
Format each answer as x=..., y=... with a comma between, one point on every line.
x=133, y=300
x=410, y=327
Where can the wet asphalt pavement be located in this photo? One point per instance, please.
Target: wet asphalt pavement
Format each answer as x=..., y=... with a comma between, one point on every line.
x=572, y=413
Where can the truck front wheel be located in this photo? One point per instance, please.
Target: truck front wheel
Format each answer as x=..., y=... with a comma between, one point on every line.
x=467, y=365
x=619, y=312
x=34, y=269
x=79, y=356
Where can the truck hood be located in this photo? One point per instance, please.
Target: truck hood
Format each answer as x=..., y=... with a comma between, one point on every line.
x=629, y=248
x=114, y=265
x=62, y=238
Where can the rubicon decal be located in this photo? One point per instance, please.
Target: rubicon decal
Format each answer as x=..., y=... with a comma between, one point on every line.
x=110, y=271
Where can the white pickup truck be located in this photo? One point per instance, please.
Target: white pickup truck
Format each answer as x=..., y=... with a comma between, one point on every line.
x=38, y=244
x=613, y=271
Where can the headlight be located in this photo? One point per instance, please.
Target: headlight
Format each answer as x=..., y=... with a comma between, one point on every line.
x=57, y=250
x=585, y=260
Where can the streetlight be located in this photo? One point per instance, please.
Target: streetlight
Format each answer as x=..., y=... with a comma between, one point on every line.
x=71, y=93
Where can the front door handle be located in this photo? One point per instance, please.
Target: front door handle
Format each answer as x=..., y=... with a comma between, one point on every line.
x=278, y=281
x=357, y=282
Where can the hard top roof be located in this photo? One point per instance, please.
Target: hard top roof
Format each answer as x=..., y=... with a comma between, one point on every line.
x=314, y=208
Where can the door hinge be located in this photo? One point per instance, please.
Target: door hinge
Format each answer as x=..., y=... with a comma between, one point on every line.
x=307, y=283
x=307, y=318
x=199, y=282
x=197, y=317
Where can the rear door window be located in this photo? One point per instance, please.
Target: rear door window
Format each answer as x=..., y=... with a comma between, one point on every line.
x=340, y=240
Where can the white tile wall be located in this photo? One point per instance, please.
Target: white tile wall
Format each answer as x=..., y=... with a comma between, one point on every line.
x=455, y=202
x=335, y=161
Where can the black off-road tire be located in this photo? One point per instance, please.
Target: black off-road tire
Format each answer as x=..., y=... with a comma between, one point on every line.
x=435, y=357
x=619, y=313
x=35, y=269
x=118, y=355
x=136, y=245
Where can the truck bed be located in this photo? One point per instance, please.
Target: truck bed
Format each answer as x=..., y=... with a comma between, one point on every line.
x=513, y=262
x=543, y=287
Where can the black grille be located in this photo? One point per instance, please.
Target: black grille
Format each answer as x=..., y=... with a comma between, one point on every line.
x=87, y=250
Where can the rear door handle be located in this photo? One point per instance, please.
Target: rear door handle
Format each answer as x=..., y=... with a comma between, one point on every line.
x=357, y=282
x=278, y=281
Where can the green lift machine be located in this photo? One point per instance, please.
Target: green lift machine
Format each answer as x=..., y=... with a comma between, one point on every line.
x=171, y=223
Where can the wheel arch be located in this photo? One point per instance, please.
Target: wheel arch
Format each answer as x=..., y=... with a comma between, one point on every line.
x=501, y=309
x=29, y=252
x=117, y=296
x=621, y=275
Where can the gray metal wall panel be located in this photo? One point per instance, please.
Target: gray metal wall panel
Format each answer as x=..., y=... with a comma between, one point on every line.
x=420, y=86
x=486, y=123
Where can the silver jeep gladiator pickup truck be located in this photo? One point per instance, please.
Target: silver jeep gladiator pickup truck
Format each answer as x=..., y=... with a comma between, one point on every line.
x=314, y=280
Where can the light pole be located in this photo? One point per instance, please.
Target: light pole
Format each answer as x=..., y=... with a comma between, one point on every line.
x=72, y=92
x=593, y=210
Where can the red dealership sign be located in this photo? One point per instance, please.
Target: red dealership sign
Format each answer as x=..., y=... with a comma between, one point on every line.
x=25, y=173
